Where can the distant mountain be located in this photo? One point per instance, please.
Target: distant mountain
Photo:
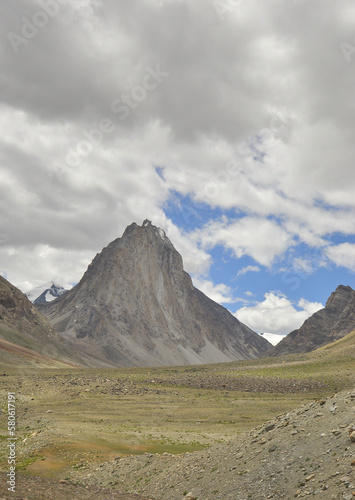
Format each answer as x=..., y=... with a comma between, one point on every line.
x=45, y=293
x=273, y=338
x=333, y=322
x=26, y=337
x=136, y=306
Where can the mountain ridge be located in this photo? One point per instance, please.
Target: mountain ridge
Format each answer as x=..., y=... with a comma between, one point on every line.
x=327, y=325
x=25, y=333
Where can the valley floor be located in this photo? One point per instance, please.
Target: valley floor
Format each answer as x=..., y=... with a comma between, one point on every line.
x=39, y=488
x=304, y=452
x=162, y=432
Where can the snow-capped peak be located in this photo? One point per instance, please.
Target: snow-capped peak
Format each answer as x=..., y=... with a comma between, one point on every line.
x=45, y=293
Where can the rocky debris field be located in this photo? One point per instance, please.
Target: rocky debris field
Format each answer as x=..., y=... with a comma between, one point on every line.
x=57, y=409
x=36, y=488
x=305, y=453
x=239, y=383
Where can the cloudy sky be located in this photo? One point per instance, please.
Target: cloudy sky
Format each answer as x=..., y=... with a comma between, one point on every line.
x=228, y=123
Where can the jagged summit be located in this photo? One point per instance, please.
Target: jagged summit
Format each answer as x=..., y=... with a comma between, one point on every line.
x=135, y=305
x=146, y=226
x=339, y=299
x=45, y=293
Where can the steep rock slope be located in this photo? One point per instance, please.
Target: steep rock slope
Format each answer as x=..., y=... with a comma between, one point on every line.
x=136, y=306
x=333, y=322
x=25, y=332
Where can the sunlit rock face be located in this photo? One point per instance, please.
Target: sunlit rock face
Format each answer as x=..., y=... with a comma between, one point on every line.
x=333, y=322
x=136, y=306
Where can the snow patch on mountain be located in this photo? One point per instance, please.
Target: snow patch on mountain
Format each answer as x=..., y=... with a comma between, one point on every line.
x=45, y=293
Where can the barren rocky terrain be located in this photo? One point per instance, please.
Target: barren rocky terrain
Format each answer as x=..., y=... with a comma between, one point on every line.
x=309, y=451
x=38, y=488
x=267, y=428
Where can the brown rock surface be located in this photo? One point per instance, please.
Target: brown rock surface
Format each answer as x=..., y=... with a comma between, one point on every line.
x=332, y=323
x=25, y=332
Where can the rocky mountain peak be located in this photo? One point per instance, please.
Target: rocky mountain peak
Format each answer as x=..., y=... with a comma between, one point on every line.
x=45, y=293
x=332, y=323
x=339, y=299
x=146, y=231
x=135, y=305
x=145, y=256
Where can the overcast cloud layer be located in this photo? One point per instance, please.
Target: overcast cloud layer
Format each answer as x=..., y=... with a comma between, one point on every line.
x=110, y=110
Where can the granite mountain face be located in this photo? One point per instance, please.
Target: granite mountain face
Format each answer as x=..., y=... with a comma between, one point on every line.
x=332, y=323
x=136, y=306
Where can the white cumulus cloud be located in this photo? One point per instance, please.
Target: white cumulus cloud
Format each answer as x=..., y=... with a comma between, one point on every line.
x=248, y=269
x=342, y=255
x=219, y=293
x=276, y=314
x=257, y=237
x=252, y=114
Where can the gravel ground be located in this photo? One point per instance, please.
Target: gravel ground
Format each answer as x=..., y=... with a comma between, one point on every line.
x=241, y=383
x=307, y=452
x=36, y=488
